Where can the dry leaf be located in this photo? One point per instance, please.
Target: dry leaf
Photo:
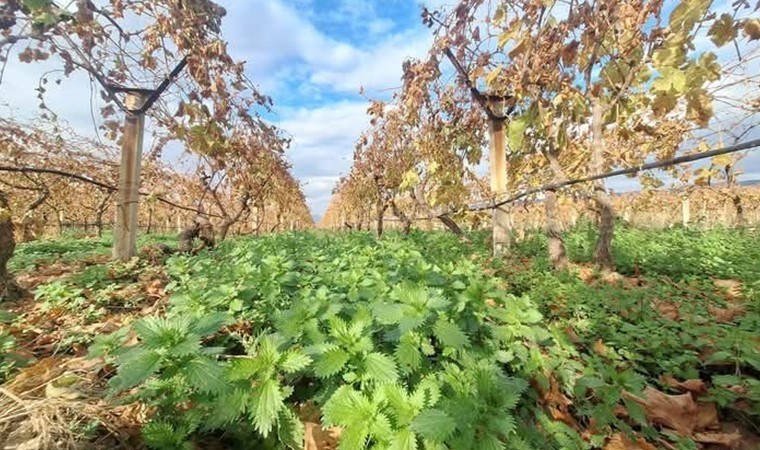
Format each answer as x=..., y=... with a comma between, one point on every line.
x=586, y=274
x=317, y=438
x=707, y=416
x=622, y=442
x=730, y=440
x=677, y=412
x=572, y=335
x=732, y=288
x=726, y=315
x=695, y=386
x=667, y=309
x=612, y=278
x=600, y=348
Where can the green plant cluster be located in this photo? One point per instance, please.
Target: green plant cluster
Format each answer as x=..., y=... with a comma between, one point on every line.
x=424, y=342
x=642, y=338
x=31, y=255
x=400, y=350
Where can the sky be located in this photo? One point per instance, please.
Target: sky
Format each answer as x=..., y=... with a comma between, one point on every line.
x=312, y=57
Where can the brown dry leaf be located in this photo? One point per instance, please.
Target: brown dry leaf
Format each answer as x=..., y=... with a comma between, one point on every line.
x=622, y=442
x=707, y=416
x=695, y=386
x=667, y=309
x=678, y=412
x=106, y=327
x=726, y=315
x=35, y=376
x=155, y=288
x=732, y=288
x=730, y=440
x=317, y=438
x=572, y=335
x=556, y=402
x=600, y=348
x=586, y=274
x=612, y=278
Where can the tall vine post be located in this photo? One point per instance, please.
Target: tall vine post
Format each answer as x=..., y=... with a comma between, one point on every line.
x=125, y=231
x=498, y=168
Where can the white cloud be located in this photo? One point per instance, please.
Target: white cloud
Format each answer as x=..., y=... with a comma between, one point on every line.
x=323, y=145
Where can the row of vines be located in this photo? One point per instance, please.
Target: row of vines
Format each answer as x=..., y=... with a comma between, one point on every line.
x=209, y=153
x=567, y=90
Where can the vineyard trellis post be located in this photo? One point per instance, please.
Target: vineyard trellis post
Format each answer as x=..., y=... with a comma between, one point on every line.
x=137, y=103
x=498, y=169
x=125, y=230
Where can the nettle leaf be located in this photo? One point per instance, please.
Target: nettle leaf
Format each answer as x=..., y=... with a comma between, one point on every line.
x=228, y=407
x=434, y=424
x=290, y=429
x=380, y=368
x=408, y=354
x=209, y=323
x=164, y=435
x=243, y=368
x=205, y=375
x=428, y=392
x=268, y=402
x=411, y=321
x=723, y=30
x=187, y=346
x=402, y=409
x=354, y=437
x=330, y=362
x=346, y=406
x=294, y=360
x=404, y=440
x=381, y=427
x=388, y=313
x=450, y=334
x=135, y=366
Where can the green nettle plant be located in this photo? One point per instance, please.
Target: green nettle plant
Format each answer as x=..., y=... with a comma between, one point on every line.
x=396, y=350
x=405, y=349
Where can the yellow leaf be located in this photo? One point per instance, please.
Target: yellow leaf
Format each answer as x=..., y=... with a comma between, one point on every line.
x=687, y=14
x=508, y=34
x=664, y=103
x=722, y=161
x=499, y=16
x=752, y=29
x=492, y=76
x=699, y=107
x=723, y=30
x=519, y=48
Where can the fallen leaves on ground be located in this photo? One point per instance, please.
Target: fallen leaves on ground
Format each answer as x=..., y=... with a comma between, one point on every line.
x=316, y=437
x=677, y=412
x=728, y=314
x=695, y=386
x=731, y=288
x=620, y=441
x=668, y=310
